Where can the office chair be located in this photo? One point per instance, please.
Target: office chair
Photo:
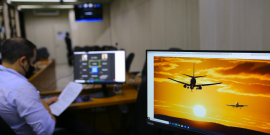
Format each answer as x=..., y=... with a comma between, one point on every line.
x=107, y=47
x=141, y=112
x=87, y=48
x=5, y=129
x=175, y=48
x=95, y=48
x=42, y=53
x=129, y=61
x=78, y=48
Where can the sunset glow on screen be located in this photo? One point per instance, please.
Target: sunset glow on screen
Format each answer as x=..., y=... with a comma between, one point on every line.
x=242, y=82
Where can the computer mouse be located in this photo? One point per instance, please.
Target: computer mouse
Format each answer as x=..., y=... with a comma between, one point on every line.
x=85, y=98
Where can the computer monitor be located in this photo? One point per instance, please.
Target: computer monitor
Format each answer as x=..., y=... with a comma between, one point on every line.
x=209, y=92
x=100, y=67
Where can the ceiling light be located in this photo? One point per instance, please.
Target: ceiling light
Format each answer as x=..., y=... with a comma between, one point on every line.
x=48, y=6
x=42, y=0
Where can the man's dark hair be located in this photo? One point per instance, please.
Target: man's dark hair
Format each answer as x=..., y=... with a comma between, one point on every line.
x=15, y=48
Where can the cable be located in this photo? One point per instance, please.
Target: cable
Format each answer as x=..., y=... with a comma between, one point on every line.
x=54, y=81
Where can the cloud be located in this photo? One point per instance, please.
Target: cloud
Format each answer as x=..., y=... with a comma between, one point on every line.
x=171, y=110
x=179, y=78
x=163, y=73
x=165, y=65
x=163, y=80
x=159, y=101
x=245, y=118
x=183, y=106
x=165, y=106
x=177, y=59
x=246, y=68
x=229, y=89
x=235, y=72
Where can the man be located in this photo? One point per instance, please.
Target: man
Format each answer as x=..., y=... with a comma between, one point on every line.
x=20, y=103
x=69, y=49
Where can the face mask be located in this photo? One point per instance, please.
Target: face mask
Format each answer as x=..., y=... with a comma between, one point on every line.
x=30, y=71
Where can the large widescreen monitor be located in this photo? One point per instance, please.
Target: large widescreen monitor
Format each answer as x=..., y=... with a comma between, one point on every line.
x=88, y=12
x=210, y=92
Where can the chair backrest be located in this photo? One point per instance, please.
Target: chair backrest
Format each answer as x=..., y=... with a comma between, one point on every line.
x=5, y=128
x=129, y=61
x=42, y=53
x=95, y=48
x=141, y=111
x=175, y=48
x=87, y=48
x=144, y=70
x=78, y=48
x=108, y=47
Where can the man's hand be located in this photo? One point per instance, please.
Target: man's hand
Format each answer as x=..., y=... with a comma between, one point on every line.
x=51, y=100
x=48, y=108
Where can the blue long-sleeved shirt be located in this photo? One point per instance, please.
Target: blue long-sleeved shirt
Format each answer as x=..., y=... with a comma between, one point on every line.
x=20, y=105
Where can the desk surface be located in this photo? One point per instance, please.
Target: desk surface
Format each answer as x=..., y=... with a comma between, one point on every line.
x=92, y=86
x=128, y=95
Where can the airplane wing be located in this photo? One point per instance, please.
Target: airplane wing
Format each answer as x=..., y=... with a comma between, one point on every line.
x=188, y=75
x=242, y=105
x=208, y=84
x=230, y=105
x=200, y=76
x=178, y=81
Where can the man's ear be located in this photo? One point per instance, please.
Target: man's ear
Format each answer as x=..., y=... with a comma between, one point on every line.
x=22, y=60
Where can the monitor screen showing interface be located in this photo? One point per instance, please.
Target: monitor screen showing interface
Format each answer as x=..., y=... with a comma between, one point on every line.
x=88, y=12
x=99, y=67
x=209, y=92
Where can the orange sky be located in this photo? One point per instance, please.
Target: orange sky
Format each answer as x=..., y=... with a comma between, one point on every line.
x=245, y=81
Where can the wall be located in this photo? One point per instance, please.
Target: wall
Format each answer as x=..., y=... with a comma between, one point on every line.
x=234, y=24
x=17, y=19
x=42, y=31
x=154, y=24
x=6, y=20
x=91, y=33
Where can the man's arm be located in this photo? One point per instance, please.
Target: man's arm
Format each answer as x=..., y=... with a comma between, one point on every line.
x=48, y=109
x=34, y=111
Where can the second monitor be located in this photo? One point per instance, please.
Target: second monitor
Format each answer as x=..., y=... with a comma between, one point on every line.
x=100, y=67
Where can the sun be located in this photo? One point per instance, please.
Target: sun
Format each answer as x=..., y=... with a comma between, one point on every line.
x=199, y=111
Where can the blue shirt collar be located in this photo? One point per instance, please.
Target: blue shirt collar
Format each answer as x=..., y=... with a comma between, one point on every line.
x=2, y=68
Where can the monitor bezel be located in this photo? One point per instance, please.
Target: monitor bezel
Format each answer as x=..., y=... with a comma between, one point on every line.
x=102, y=82
x=184, y=130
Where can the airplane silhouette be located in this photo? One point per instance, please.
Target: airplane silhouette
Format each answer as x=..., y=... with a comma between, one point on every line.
x=192, y=84
x=236, y=105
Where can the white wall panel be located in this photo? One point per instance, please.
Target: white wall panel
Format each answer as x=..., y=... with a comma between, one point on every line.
x=154, y=24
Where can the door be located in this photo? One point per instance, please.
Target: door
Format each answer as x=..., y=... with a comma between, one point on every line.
x=60, y=44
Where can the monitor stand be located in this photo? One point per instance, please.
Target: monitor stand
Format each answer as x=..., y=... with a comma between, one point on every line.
x=104, y=94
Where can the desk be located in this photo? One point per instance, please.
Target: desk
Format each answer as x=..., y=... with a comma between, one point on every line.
x=128, y=95
x=45, y=76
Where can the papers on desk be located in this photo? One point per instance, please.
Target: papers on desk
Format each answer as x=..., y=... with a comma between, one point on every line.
x=67, y=96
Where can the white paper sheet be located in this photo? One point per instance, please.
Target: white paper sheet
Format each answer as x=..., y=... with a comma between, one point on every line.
x=67, y=96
